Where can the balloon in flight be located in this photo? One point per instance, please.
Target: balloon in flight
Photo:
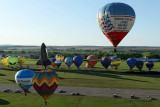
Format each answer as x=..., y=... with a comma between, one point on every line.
x=115, y=21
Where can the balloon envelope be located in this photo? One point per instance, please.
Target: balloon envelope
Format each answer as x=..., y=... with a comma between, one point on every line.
x=59, y=57
x=58, y=63
x=4, y=61
x=45, y=83
x=77, y=61
x=105, y=61
x=115, y=61
x=131, y=62
x=53, y=62
x=139, y=65
x=24, y=79
x=12, y=61
x=115, y=20
x=87, y=65
x=21, y=60
x=149, y=65
x=92, y=60
x=68, y=61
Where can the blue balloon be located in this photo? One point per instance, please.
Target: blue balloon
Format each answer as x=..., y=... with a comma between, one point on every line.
x=24, y=79
x=53, y=60
x=68, y=61
x=105, y=61
x=78, y=61
x=139, y=65
x=131, y=62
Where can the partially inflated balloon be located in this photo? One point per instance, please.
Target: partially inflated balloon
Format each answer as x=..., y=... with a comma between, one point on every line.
x=59, y=57
x=78, y=61
x=115, y=61
x=12, y=61
x=105, y=61
x=24, y=79
x=131, y=62
x=68, y=61
x=139, y=65
x=58, y=63
x=21, y=60
x=53, y=62
x=149, y=65
x=4, y=61
x=92, y=60
x=115, y=20
x=45, y=83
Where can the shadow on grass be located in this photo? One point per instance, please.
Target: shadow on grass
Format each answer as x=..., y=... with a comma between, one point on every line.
x=12, y=81
x=2, y=75
x=4, y=102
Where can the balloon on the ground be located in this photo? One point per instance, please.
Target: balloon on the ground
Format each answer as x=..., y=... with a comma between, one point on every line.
x=59, y=57
x=4, y=61
x=68, y=61
x=12, y=61
x=53, y=62
x=58, y=63
x=115, y=61
x=139, y=65
x=149, y=65
x=105, y=61
x=92, y=60
x=78, y=61
x=24, y=79
x=87, y=65
x=115, y=21
x=45, y=83
x=131, y=62
x=21, y=60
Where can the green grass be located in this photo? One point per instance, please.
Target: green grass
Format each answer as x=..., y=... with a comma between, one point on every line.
x=34, y=100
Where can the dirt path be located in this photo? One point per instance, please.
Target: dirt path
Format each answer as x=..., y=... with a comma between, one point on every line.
x=95, y=92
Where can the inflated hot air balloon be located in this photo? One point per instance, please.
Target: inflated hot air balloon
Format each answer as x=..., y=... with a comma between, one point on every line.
x=58, y=63
x=21, y=60
x=115, y=61
x=45, y=83
x=115, y=21
x=59, y=57
x=131, y=63
x=139, y=65
x=92, y=60
x=149, y=65
x=4, y=61
x=24, y=79
x=53, y=62
x=12, y=61
x=87, y=65
x=68, y=61
x=78, y=61
x=105, y=61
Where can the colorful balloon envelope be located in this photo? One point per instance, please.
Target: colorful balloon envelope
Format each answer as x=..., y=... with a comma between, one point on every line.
x=105, y=61
x=139, y=65
x=12, y=61
x=58, y=63
x=59, y=57
x=115, y=21
x=24, y=79
x=21, y=60
x=131, y=62
x=92, y=60
x=68, y=61
x=115, y=61
x=45, y=83
x=4, y=61
x=78, y=60
x=53, y=62
x=87, y=65
x=149, y=65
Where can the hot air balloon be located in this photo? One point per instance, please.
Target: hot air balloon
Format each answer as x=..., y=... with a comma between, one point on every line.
x=58, y=63
x=149, y=65
x=68, y=61
x=115, y=20
x=21, y=60
x=45, y=83
x=59, y=57
x=87, y=65
x=92, y=60
x=53, y=62
x=105, y=61
x=4, y=61
x=12, y=61
x=131, y=63
x=139, y=65
x=78, y=61
x=115, y=61
x=24, y=79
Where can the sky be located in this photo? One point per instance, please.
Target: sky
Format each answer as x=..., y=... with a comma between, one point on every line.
x=73, y=22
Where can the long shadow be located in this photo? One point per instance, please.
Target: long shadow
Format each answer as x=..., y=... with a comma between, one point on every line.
x=4, y=102
x=12, y=81
x=2, y=75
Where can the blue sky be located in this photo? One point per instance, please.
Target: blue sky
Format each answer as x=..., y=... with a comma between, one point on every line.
x=73, y=22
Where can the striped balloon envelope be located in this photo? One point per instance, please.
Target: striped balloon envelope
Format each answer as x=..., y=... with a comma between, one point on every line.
x=115, y=61
x=92, y=60
x=45, y=83
x=105, y=61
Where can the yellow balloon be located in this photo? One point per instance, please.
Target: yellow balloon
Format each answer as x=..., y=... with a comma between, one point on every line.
x=59, y=57
x=115, y=61
x=21, y=60
x=4, y=61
